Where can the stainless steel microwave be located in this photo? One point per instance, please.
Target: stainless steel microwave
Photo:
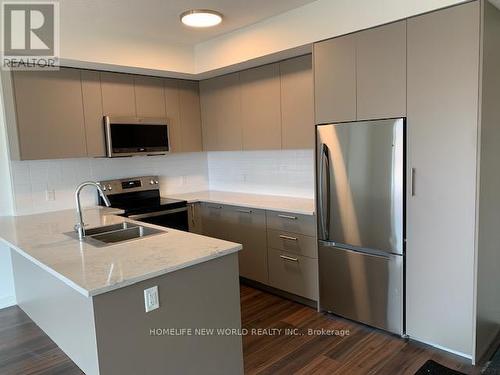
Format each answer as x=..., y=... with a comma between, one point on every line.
x=130, y=136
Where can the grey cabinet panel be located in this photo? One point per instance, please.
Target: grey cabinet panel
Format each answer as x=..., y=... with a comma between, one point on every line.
x=443, y=71
x=228, y=108
x=297, y=104
x=189, y=112
x=381, y=72
x=289, y=222
x=208, y=102
x=215, y=220
x=248, y=227
x=172, y=110
x=92, y=110
x=293, y=242
x=293, y=273
x=149, y=97
x=50, y=119
x=335, y=80
x=118, y=94
x=260, y=108
x=194, y=218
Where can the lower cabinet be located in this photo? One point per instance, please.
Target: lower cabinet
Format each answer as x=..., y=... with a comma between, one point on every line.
x=272, y=256
x=293, y=273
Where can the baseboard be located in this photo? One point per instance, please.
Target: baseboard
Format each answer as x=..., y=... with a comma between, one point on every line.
x=467, y=356
x=7, y=301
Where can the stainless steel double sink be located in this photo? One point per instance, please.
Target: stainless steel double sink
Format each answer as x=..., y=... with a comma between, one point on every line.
x=111, y=234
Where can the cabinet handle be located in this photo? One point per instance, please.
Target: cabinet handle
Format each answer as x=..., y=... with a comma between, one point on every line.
x=288, y=217
x=413, y=173
x=244, y=211
x=288, y=237
x=285, y=257
x=215, y=207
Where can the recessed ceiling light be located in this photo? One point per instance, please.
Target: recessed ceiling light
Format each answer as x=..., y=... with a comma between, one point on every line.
x=201, y=18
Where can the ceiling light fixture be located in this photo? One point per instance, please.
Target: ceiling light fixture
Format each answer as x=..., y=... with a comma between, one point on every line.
x=201, y=18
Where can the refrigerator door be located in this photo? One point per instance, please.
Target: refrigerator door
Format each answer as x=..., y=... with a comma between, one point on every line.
x=364, y=287
x=360, y=172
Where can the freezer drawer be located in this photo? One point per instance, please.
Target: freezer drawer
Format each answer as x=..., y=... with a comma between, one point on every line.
x=362, y=287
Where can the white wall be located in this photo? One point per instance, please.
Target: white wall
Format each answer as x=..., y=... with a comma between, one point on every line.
x=319, y=20
x=278, y=172
x=178, y=173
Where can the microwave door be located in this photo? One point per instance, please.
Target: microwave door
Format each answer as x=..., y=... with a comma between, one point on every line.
x=360, y=184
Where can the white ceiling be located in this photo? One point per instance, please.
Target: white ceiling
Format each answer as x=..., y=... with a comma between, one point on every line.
x=158, y=20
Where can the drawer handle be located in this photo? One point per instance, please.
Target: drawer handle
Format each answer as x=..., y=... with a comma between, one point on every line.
x=288, y=237
x=284, y=257
x=288, y=217
x=215, y=207
x=244, y=211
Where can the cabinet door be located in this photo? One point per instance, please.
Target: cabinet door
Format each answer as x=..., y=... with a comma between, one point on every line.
x=297, y=113
x=172, y=105
x=260, y=108
x=335, y=80
x=443, y=70
x=189, y=110
x=248, y=227
x=118, y=94
x=149, y=97
x=49, y=109
x=208, y=102
x=381, y=72
x=92, y=110
x=215, y=219
x=228, y=107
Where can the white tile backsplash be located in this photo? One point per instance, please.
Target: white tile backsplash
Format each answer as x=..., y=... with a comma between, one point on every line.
x=277, y=172
x=31, y=179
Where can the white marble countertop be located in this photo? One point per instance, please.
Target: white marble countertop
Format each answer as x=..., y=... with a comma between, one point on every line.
x=95, y=270
x=267, y=202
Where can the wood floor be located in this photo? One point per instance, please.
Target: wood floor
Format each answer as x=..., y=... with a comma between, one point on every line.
x=25, y=349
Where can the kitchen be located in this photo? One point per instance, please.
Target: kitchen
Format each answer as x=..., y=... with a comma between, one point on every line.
x=328, y=177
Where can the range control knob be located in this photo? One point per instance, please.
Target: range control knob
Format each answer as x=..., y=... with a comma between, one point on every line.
x=157, y=182
x=151, y=182
x=110, y=187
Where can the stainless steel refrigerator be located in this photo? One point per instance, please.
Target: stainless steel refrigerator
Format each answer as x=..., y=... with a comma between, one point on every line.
x=361, y=220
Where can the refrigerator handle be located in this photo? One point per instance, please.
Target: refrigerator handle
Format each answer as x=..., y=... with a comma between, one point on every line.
x=324, y=204
x=413, y=172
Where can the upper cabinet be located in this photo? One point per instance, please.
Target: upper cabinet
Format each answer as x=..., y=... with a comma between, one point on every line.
x=118, y=94
x=149, y=97
x=361, y=76
x=59, y=114
x=260, y=108
x=221, y=113
x=50, y=119
x=190, y=116
x=297, y=113
x=335, y=80
x=92, y=110
x=381, y=72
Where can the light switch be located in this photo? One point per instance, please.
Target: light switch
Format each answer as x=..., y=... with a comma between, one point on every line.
x=50, y=195
x=151, y=299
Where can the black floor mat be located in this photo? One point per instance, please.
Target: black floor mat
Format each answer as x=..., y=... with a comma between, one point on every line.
x=433, y=368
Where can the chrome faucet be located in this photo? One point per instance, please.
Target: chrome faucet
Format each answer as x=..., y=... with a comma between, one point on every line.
x=80, y=225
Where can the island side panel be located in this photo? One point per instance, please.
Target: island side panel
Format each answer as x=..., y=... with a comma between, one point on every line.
x=201, y=296
x=64, y=314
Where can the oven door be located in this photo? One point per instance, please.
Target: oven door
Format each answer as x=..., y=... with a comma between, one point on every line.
x=176, y=218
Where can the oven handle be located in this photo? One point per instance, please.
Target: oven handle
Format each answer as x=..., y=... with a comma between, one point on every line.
x=157, y=213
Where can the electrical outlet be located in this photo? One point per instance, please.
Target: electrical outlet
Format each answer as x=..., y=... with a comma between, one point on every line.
x=50, y=195
x=184, y=180
x=151, y=299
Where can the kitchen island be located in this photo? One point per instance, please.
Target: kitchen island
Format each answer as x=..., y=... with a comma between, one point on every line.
x=90, y=300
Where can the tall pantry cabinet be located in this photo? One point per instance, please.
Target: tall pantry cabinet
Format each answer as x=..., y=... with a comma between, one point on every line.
x=444, y=78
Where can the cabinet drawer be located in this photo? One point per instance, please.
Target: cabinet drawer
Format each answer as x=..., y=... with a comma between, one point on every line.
x=293, y=273
x=292, y=242
x=303, y=224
